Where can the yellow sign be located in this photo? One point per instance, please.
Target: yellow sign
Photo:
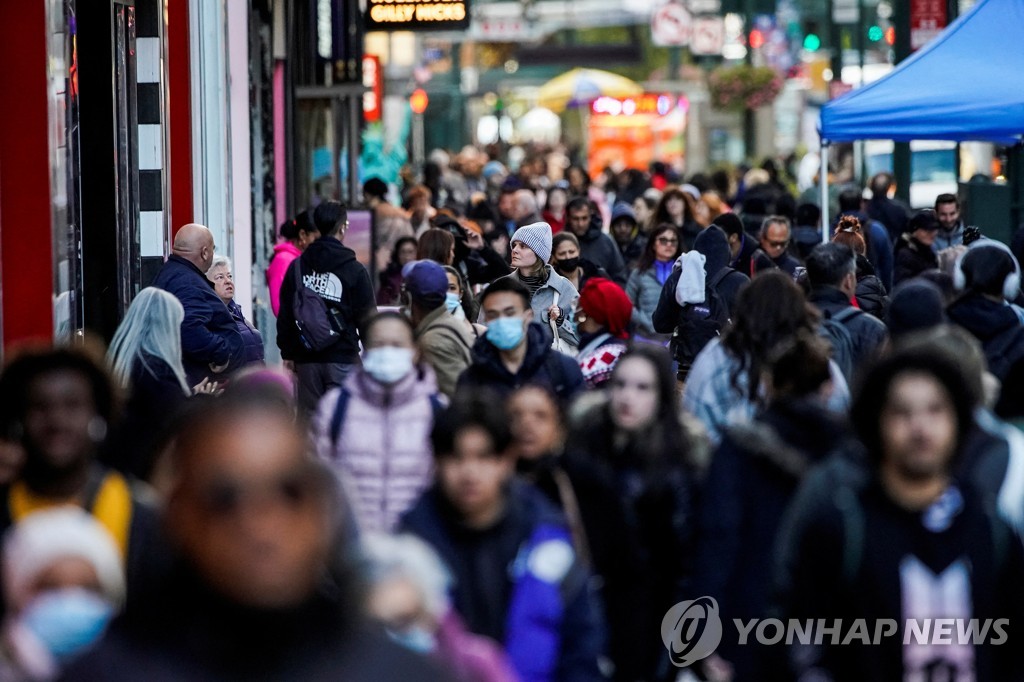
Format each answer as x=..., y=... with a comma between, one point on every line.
x=432, y=15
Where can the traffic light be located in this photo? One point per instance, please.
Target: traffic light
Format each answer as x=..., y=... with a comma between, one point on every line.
x=812, y=39
x=875, y=34
x=756, y=39
x=890, y=36
x=418, y=101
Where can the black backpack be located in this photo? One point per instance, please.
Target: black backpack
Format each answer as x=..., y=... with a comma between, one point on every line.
x=319, y=326
x=699, y=323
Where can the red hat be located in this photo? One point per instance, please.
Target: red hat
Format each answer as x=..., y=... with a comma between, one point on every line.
x=604, y=301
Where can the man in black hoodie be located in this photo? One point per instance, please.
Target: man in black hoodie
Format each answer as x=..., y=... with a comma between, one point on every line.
x=329, y=269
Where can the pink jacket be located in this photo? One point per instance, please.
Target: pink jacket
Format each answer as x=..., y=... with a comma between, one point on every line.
x=284, y=254
x=383, y=454
x=473, y=658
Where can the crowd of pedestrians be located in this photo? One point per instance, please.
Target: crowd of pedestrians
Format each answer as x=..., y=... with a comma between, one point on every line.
x=563, y=406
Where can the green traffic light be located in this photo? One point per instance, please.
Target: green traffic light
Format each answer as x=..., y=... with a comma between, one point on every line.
x=875, y=33
x=812, y=42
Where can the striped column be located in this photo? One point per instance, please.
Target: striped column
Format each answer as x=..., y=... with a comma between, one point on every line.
x=150, y=103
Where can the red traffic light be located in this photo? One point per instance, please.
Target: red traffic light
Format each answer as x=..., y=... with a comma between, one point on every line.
x=890, y=35
x=418, y=101
x=756, y=39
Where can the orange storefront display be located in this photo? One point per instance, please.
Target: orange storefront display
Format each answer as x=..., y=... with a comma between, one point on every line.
x=635, y=131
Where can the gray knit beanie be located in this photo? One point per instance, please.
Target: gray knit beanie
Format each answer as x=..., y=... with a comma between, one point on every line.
x=537, y=236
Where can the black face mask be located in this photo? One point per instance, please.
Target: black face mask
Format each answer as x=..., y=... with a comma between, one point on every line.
x=567, y=264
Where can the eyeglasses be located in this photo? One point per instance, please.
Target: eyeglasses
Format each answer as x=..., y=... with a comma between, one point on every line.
x=668, y=242
x=778, y=245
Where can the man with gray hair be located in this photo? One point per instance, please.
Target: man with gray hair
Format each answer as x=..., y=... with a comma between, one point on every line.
x=210, y=342
x=526, y=210
x=832, y=272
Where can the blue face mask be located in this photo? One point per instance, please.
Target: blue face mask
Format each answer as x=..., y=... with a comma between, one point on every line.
x=67, y=621
x=505, y=333
x=452, y=301
x=415, y=639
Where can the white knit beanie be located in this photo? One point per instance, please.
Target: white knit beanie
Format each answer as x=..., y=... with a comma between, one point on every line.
x=46, y=536
x=537, y=236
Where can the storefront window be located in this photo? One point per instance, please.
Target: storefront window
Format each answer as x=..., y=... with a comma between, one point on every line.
x=62, y=91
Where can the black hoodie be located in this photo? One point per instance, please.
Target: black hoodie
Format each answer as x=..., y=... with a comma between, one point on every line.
x=996, y=325
x=329, y=268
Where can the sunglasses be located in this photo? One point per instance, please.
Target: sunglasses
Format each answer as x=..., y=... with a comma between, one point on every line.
x=779, y=245
x=294, y=491
x=668, y=242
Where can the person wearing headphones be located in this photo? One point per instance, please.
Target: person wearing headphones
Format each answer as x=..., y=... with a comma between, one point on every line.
x=988, y=276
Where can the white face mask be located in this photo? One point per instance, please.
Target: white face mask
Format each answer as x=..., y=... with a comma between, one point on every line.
x=388, y=364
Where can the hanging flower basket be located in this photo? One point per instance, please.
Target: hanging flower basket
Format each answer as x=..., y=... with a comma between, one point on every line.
x=743, y=87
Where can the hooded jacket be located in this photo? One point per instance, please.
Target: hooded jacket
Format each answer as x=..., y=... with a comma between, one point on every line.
x=209, y=335
x=713, y=243
x=446, y=346
x=601, y=249
x=542, y=366
x=284, y=254
x=329, y=268
x=383, y=451
x=996, y=325
x=518, y=582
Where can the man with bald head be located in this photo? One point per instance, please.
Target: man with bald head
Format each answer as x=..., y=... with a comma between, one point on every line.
x=210, y=343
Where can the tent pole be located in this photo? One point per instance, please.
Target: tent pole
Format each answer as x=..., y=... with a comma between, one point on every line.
x=823, y=181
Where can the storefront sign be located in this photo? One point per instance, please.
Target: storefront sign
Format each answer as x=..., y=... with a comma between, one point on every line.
x=648, y=103
x=373, y=81
x=421, y=15
x=927, y=19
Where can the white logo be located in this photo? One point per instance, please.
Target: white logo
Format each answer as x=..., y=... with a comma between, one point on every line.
x=551, y=560
x=692, y=630
x=326, y=285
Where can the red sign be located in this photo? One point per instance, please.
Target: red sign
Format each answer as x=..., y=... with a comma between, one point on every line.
x=927, y=19
x=373, y=79
x=418, y=101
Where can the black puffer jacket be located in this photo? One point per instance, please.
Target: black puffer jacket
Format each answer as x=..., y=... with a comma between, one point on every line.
x=871, y=294
x=912, y=258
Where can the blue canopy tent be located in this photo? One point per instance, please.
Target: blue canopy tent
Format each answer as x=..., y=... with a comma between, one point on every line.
x=965, y=85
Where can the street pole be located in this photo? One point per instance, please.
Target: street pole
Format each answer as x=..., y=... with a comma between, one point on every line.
x=418, y=152
x=901, y=150
x=749, y=131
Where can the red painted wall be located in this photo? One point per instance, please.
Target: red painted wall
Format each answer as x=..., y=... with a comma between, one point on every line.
x=26, y=232
x=180, y=113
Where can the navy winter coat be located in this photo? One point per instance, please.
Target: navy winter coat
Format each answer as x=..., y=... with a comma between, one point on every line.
x=541, y=366
x=251, y=336
x=209, y=335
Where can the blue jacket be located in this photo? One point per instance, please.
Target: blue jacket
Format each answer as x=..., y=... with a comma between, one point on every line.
x=519, y=582
x=209, y=335
x=543, y=366
x=251, y=336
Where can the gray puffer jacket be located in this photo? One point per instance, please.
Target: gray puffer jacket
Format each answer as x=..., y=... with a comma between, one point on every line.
x=544, y=298
x=644, y=291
